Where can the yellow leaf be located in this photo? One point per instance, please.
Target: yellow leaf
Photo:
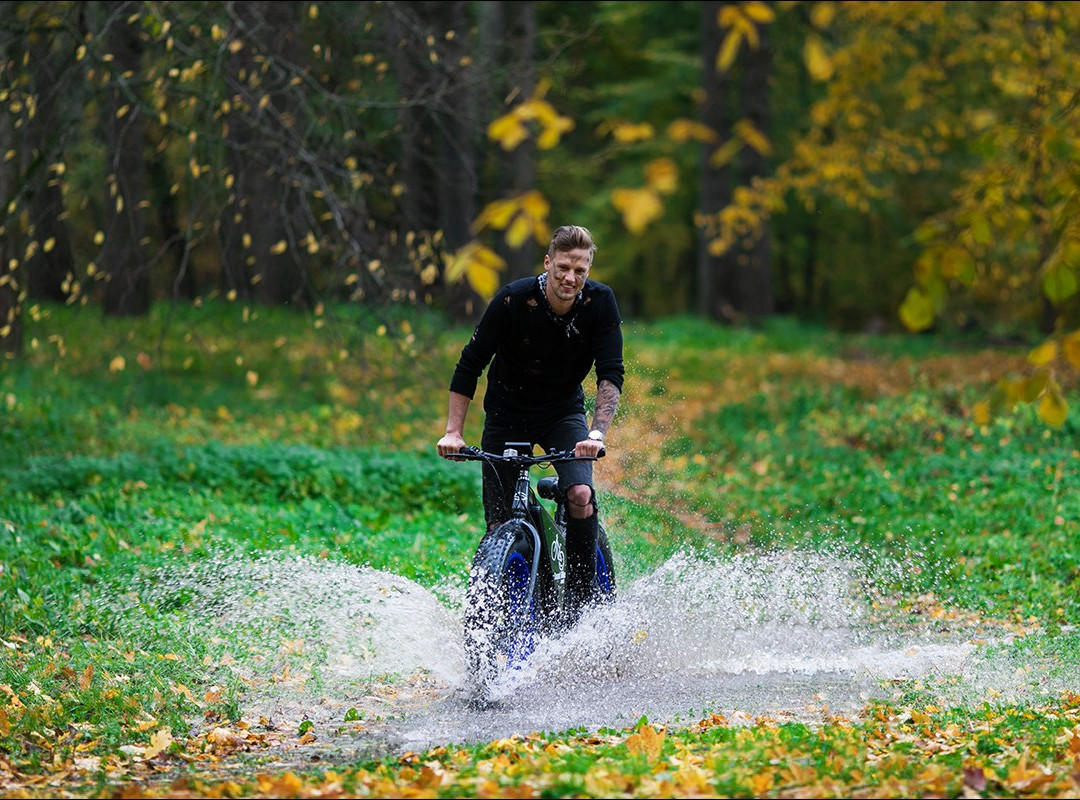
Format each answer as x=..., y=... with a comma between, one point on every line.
x=1071, y=347
x=87, y=677
x=160, y=741
x=818, y=63
x=479, y=265
x=497, y=214
x=647, y=742
x=956, y=262
x=508, y=131
x=718, y=246
x=662, y=175
x=1044, y=353
x=638, y=207
x=722, y=155
x=279, y=248
x=1060, y=283
x=822, y=14
x=980, y=231
x=1030, y=389
x=685, y=130
x=117, y=364
x=1070, y=253
x=917, y=310
x=252, y=378
x=518, y=232
x=981, y=413
x=483, y=279
x=746, y=131
x=535, y=205
x=728, y=50
x=552, y=132
x=1052, y=406
x=627, y=132
x=758, y=12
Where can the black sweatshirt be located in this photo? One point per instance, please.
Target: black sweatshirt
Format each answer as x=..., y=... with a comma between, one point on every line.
x=540, y=360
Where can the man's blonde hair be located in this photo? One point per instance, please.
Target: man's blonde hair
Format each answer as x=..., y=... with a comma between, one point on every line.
x=571, y=237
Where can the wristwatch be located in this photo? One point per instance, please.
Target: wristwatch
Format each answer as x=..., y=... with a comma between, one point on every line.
x=596, y=436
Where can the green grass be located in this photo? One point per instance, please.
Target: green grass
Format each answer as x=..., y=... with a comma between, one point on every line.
x=239, y=431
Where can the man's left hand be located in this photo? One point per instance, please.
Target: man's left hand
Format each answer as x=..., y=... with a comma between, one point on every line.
x=588, y=448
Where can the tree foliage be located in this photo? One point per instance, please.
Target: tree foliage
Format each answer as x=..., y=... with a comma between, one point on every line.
x=907, y=162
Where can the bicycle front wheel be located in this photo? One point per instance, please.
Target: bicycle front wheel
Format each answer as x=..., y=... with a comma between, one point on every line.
x=501, y=613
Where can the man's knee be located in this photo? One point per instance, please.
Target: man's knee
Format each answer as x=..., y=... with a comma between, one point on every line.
x=579, y=500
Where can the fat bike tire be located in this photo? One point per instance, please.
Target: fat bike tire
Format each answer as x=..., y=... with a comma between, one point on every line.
x=502, y=623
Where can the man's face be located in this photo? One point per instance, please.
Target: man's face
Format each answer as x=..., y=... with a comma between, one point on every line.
x=567, y=271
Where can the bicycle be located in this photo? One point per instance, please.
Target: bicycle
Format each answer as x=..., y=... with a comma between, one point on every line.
x=517, y=589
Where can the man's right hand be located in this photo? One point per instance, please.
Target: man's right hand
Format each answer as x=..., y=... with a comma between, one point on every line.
x=449, y=444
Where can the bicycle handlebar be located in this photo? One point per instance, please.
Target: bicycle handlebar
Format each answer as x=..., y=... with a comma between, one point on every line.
x=470, y=453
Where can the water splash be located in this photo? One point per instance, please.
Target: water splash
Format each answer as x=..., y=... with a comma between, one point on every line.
x=786, y=634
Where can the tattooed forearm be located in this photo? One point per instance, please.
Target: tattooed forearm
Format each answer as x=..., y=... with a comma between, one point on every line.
x=607, y=402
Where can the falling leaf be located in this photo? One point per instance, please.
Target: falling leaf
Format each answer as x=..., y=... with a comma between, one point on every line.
x=117, y=364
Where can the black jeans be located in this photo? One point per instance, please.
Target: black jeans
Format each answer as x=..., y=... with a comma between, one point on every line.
x=499, y=480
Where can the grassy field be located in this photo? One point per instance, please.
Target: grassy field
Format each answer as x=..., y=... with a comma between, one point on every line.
x=134, y=450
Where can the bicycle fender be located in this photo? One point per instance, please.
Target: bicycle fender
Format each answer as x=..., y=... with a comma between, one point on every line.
x=537, y=547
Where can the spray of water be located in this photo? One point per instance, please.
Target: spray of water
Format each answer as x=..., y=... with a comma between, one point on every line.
x=790, y=634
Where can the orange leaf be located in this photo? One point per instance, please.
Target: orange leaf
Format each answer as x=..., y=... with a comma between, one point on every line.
x=647, y=742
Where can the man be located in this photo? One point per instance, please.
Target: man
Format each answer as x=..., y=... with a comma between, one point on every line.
x=545, y=333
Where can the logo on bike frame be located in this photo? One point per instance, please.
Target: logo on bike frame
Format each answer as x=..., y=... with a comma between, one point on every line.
x=558, y=558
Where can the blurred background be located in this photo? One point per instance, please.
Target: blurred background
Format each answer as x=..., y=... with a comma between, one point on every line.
x=869, y=167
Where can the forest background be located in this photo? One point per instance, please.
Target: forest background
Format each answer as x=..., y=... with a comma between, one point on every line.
x=864, y=165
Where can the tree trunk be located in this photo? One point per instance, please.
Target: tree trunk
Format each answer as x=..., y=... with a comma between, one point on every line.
x=11, y=290
x=715, y=272
x=257, y=240
x=405, y=39
x=755, y=293
x=127, y=291
x=176, y=244
x=51, y=263
x=515, y=46
x=455, y=124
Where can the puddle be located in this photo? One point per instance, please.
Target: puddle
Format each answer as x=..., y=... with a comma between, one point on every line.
x=374, y=661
